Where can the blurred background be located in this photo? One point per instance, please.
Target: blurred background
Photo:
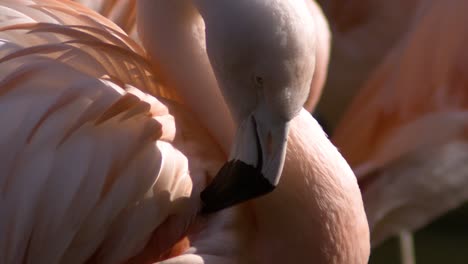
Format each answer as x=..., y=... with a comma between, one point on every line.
x=409, y=54
x=443, y=241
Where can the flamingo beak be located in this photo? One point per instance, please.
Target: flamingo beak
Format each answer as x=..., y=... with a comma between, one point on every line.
x=254, y=168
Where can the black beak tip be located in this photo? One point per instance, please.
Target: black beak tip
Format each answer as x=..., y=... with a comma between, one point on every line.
x=235, y=183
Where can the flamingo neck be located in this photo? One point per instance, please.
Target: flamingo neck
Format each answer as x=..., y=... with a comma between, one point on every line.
x=173, y=34
x=316, y=212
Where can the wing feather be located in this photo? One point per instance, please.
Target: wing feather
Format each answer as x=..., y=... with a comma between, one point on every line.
x=81, y=40
x=121, y=12
x=94, y=151
x=99, y=137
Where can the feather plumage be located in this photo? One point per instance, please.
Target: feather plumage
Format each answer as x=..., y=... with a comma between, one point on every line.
x=125, y=161
x=108, y=154
x=121, y=12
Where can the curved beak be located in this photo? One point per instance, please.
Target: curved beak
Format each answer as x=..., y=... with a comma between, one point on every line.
x=254, y=168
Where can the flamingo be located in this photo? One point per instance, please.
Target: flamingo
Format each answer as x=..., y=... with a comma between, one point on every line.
x=408, y=124
x=106, y=164
x=269, y=99
x=121, y=12
x=363, y=32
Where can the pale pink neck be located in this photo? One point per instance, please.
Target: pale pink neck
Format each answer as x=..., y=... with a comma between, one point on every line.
x=172, y=33
x=316, y=212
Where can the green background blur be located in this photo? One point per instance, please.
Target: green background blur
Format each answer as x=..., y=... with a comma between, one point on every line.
x=445, y=241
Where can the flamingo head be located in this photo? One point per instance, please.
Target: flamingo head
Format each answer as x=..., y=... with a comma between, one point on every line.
x=263, y=56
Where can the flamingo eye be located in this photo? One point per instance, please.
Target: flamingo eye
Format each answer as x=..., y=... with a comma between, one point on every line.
x=258, y=81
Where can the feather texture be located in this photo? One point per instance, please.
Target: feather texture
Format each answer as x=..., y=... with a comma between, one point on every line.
x=90, y=163
x=121, y=12
x=101, y=164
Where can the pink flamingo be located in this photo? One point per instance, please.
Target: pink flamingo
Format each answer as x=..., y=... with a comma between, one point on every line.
x=107, y=173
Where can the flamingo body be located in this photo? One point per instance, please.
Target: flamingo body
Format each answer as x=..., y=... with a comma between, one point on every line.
x=106, y=165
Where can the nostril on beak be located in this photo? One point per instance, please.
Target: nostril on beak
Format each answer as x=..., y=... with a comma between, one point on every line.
x=269, y=144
